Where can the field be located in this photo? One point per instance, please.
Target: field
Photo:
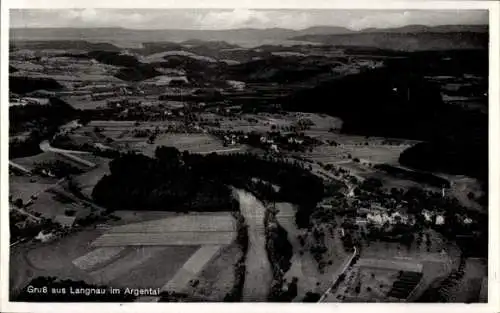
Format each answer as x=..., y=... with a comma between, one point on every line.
x=379, y=280
x=372, y=153
x=194, y=143
x=96, y=257
x=29, y=162
x=156, y=267
x=248, y=122
x=23, y=187
x=84, y=102
x=375, y=284
x=53, y=259
x=436, y=262
x=217, y=278
x=397, y=265
x=149, y=253
x=54, y=202
x=122, y=135
x=468, y=288
x=161, y=239
x=87, y=181
x=124, y=264
x=182, y=223
x=191, y=268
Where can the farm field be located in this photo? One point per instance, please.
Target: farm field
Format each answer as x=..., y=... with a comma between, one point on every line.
x=397, y=265
x=96, y=257
x=125, y=264
x=155, y=270
x=194, y=143
x=187, y=223
x=23, y=187
x=366, y=154
x=53, y=202
x=217, y=278
x=469, y=287
x=87, y=181
x=373, y=280
x=84, y=102
x=191, y=268
x=167, y=238
x=29, y=162
x=191, y=229
x=127, y=217
x=248, y=122
x=51, y=259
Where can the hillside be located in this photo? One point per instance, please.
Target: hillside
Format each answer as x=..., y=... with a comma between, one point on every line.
x=405, y=41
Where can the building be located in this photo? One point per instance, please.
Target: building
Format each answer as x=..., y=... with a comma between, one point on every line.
x=65, y=221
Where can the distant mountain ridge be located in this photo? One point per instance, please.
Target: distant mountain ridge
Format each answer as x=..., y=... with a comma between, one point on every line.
x=242, y=36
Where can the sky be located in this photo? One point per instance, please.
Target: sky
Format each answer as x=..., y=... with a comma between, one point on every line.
x=239, y=18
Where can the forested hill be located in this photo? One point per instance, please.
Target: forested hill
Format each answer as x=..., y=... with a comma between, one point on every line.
x=390, y=102
x=398, y=101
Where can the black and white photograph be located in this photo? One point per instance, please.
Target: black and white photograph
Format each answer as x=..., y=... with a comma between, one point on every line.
x=248, y=155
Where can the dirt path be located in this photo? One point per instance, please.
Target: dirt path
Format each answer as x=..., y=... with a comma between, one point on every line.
x=258, y=269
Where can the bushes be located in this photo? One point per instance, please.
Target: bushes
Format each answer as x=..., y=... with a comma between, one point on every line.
x=311, y=297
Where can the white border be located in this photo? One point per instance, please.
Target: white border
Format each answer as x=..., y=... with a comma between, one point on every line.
x=494, y=156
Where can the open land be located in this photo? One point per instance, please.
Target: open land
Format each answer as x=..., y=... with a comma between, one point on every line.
x=378, y=179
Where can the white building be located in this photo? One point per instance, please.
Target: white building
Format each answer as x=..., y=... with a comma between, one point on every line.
x=439, y=220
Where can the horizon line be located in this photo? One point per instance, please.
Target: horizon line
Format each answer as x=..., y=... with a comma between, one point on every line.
x=244, y=28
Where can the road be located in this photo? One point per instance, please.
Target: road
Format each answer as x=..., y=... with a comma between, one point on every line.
x=259, y=275
x=20, y=167
x=46, y=147
x=70, y=154
x=221, y=151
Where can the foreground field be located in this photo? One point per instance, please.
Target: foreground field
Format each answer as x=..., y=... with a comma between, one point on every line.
x=169, y=255
x=192, y=268
x=203, y=229
x=217, y=278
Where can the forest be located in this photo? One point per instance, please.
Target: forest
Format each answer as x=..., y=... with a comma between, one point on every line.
x=174, y=181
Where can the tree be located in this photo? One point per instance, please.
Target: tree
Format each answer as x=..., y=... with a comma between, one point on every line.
x=18, y=202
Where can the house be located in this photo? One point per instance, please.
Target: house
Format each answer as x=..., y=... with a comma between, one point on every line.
x=65, y=221
x=439, y=220
x=44, y=237
x=427, y=215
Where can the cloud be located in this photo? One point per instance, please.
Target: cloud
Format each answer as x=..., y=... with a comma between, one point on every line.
x=239, y=18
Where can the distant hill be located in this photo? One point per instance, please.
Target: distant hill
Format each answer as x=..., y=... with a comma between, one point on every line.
x=61, y=44
x=407, y=37
x=405, y=40
x=432, y=29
